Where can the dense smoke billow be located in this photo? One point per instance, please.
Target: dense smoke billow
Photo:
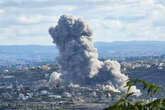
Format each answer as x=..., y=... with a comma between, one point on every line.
x=55, y=77
x=78, y=58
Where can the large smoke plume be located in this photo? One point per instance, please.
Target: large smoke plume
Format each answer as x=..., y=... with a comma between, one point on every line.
x=78, y=58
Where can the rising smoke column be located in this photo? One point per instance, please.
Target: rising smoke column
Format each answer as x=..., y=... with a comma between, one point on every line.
x=78, y=58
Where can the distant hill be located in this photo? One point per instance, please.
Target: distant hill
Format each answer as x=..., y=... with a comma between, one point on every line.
x=27, y=54
x=111, y=49
x=32, y=51
x=131, y=48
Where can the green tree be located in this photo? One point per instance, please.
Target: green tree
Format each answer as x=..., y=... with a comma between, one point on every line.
x=151, y=89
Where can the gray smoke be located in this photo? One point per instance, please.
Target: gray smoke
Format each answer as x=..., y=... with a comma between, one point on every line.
x=78, y=59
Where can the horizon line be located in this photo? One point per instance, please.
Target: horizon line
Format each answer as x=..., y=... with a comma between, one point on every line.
x=94, y=42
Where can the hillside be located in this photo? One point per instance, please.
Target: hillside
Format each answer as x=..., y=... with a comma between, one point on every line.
x=131, y=48
x=111, y=49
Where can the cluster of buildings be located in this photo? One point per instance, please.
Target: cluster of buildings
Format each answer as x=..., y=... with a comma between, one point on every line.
x=41, y=90
x=144, y=65
x=71, y=94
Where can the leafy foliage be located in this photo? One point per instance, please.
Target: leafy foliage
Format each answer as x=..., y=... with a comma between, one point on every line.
x=151, y=89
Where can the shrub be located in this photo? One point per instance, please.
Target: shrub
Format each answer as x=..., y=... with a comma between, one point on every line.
x=151, y=89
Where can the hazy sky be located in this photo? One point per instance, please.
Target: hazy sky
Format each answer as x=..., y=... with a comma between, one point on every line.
x=28, y=21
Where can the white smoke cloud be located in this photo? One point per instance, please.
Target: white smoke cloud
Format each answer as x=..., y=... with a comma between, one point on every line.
x=78, y=58
x=55, y=77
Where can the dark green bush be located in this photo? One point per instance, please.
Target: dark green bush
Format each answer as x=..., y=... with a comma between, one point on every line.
x=151, y=89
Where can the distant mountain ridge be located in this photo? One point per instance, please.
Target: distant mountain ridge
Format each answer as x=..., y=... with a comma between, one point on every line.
x=131, y=48
x=105, y=49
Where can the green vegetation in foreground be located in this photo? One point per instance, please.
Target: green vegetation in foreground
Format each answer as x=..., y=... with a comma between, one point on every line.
x=151, y=89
